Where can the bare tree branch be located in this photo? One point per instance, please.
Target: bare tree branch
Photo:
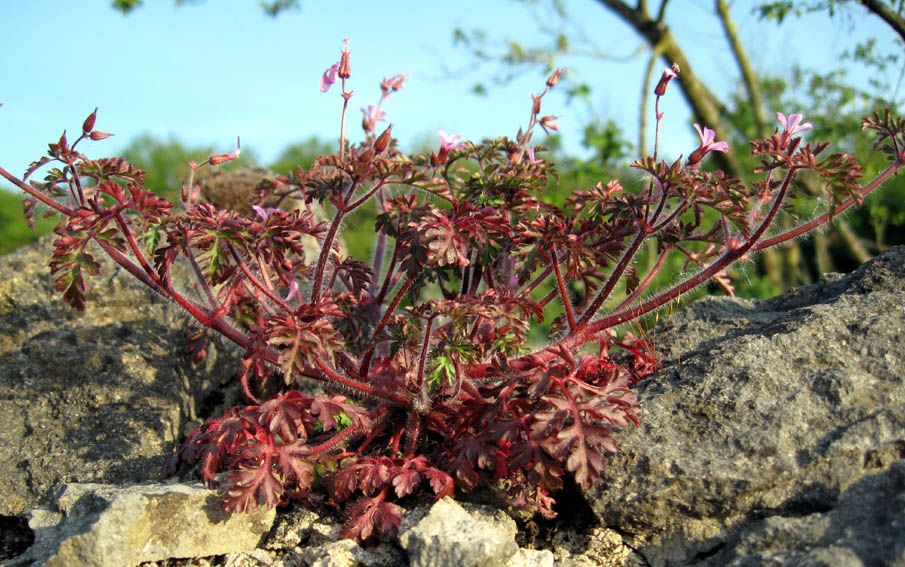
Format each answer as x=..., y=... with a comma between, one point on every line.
x=890, y=16
x=748, y=75
x=705, y=106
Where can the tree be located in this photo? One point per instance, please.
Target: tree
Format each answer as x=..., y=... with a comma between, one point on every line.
x=272, y=8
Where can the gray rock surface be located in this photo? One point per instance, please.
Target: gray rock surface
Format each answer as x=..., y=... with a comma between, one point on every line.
x=776, y=433
x=453, y=536
x=99, y=526
x=94, y=396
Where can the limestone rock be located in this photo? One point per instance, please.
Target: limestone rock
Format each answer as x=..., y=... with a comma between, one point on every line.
x=776, y=433
x=450, y=535
x=98, y=526
x=96, y=396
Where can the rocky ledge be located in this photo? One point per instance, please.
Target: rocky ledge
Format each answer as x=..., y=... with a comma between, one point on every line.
x=774, y=435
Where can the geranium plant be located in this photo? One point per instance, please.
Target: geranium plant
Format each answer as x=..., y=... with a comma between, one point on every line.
x=428, y=378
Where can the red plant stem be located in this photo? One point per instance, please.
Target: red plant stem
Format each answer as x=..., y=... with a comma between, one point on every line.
x=257, y=283
x=37, y=194
x=366, y=362
x=644, y=231
x=656, y=128
x=536, y=282
x=588, y=332
x=342, y=124
x=337, y=439
x=136, y=251
x=366, y=196
x=326, y=250
x=697, y=279
x=647, y=280
x=881, y=178
x=563, y=292
x=361, y=386
x=548, y=298
x=614, y=278
x=413, y=434
x=391, y=272
x=200, y=277
x=424, y=346
x=377, y=261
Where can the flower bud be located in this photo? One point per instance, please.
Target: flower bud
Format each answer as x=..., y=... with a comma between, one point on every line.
x=383, y=140
x=554, y=78
x=345, y=70
x=88, y=125
x=97, y=135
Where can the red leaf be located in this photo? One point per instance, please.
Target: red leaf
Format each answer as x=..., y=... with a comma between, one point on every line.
x=441, y=483
x=249, y=485
x=370, y=515
x=287, y=415
x=293, y=463
x=405, y=481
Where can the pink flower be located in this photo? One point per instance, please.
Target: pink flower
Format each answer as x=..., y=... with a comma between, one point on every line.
x=293, y=289
x=329, y=77
x=450, y=142
x=392, y=84
x=338, y=69
x=792, y=125
x=668, y=75
x=707, y=145
x=531, y=157
x=372, y=115
x=263, y=213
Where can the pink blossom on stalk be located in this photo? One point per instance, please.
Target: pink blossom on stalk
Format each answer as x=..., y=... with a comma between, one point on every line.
x=329, y=77
x=263, y=213
x=293, y=289
x=531, y=159
x=450, y=142
x=392, y=84
x=707, y=145
x=792, y=125
x=340, y=69
x=372, y=115
x=669, y=73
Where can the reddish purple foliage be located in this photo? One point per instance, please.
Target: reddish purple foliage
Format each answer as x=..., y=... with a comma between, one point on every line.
x=424, y=352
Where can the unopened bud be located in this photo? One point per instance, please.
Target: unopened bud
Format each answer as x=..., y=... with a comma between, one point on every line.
x=345, y=70
x=554, y=78
x=536, y=107
x=97, y=135
x=88, y=125
x=383, y=140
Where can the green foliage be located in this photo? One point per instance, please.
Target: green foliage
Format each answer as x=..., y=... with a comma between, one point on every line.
x=273, y=8
x=14, y=232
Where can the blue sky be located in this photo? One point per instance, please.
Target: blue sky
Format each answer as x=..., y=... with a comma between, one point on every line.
x=207, y=72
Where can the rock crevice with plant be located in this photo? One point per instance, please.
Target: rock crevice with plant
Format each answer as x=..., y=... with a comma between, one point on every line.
x=478, y=347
